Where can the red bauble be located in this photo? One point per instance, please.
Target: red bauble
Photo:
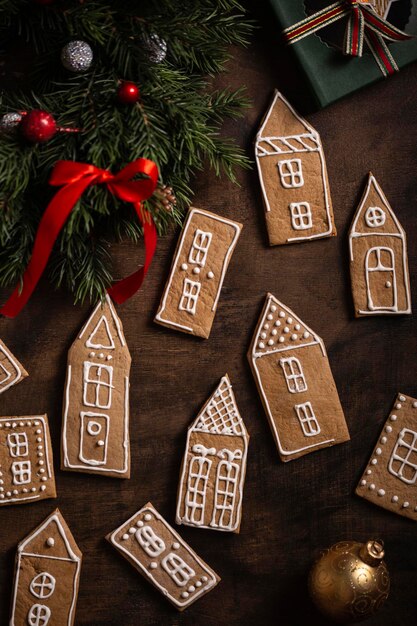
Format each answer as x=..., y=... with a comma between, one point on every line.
x=127, y=93
x=38, y=126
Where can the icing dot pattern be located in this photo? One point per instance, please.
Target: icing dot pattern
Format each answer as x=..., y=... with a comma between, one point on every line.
x=280, y=329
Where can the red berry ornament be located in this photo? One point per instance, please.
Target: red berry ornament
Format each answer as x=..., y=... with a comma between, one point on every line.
x=127, y=93
x=38, y=126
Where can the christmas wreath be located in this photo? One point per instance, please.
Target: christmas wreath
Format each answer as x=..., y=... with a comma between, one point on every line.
x=106, y=83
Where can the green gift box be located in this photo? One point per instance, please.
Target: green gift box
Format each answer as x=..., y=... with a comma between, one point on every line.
x=328, y=72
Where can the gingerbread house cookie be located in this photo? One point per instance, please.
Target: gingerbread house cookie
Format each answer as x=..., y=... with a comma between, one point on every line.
x=295, y=382
x=293, y=176
x=11, y=371
x=200, y=263
x=378, y=257
x=214, y=466
x=47, y=573
x=149, y=543
x=390, y=478
x=95, y=429
x=26, y=464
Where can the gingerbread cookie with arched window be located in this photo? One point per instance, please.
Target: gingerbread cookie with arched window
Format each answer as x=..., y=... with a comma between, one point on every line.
x=214, y=466
x=295, y=382
x=158, y=552
x=95, y=428
x=293, y=176
x=378, y=257
x=390, y=478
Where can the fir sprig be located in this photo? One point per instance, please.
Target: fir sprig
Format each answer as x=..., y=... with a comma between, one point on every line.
x=176, y=122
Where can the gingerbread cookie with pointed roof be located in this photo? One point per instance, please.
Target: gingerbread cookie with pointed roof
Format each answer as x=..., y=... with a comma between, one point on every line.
x=293, y=176
x=378, y=257
x=214, y=466
x=95, y=428
x=295, y=382
x=11, y=371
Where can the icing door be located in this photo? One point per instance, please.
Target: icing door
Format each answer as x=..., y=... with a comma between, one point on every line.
x=94, y=438
x=380, y=279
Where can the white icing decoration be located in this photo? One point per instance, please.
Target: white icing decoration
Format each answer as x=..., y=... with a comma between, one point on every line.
x=101, y=384
x=397, y=406
x=189, y=298
x=402, y=398
x=101, y=443
x=291, y=173
x=39, y=615
x=375, y=217
x=198, y=476
x=381, y=492
x=307, y=419
x=415, y=405
x=225, y=493
x=374, y=461
x=43, y=585
x=402, y=463
x=50, y=542
x=196, y=270
x=301, y=216
x=363, y=483
x=369, y=472
x=22, y=473
x=394, y=499
x=406, y=505
x=294, y=375
x=199, y=247
x=286, y=329
x=184, y=267
x=277, y=323
x=176, y=545
x=86, y=454
x=153, y=565
x=273, y=308
x=378, y=451
x=293, y=337
x=274, y=332
x=270, y=342
x=263, y=335
x=210, y=275
x=191, y=214
x=372, y=486
x=177, y=569
x=375, y=264
x=90, y=343
x=151, y=543
x=18, y=444
x=383, y=440
x=269, y=317
x=148, y=517
x=388, y=428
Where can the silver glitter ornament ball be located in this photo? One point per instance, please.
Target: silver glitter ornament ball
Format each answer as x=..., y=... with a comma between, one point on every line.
x=9, y=122
x=154, y=46
x=77, y=56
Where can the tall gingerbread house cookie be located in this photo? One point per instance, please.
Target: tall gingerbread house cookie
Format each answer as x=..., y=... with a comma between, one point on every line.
x=11, y=371
x=295, y=382
x=201, y=259
x=213, y=471
x=158, y=552
x=378, y=257
x=26, y=463
x=293, y=176
x=47, y=573
x=95, y=430
x=390, y=478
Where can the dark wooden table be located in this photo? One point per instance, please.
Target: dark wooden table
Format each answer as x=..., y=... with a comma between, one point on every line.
x=290, y=510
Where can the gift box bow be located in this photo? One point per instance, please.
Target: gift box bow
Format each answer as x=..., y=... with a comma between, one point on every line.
x=363, y=24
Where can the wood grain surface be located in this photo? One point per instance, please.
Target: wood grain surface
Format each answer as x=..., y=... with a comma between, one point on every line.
x=290, y=510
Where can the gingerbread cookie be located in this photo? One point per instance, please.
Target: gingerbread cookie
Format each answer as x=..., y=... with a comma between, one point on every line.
x=293, y=176
x=11, y=371
x=295, y=382
x=47, y=573
x=214, y=466
x=149, y=543
x=390, y=478
x=26, y=463
x=95, y=430
x=378, y=257
x=200, y=262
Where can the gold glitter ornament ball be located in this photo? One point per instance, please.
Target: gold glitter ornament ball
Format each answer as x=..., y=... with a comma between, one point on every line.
x=349, y=582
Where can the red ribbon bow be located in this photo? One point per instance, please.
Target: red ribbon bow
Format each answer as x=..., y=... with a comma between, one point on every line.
x=364, y=24
x=75, y=178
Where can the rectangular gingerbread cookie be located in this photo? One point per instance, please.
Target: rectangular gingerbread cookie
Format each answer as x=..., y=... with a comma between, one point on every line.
x=295, y=382
x=153, y=547
x=11, y=371
x=390, y=478
x=197, y=272
x=26, y=463
x=213, y=471
x=47, y=573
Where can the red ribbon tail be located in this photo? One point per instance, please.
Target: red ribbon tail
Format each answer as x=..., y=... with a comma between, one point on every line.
x=124, y=289
x=51, y=224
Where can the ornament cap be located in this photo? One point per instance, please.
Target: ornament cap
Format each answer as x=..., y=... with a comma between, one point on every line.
x=372, y=552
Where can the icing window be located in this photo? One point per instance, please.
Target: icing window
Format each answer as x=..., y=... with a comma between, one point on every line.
x=301, y=217
x=178, y=569
x=189, y=296
x=308, y=420
x=195, y=499
x=21, y=471
x=403, y=461
x=294, y=375
x=18, y=444
x=375, y=216
x=150, y=542
x=291, y=173
x=4, y=374
x=225, y=494
x=199, y=248
x=98, y=386
x=39, y=615
x=43, y=585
